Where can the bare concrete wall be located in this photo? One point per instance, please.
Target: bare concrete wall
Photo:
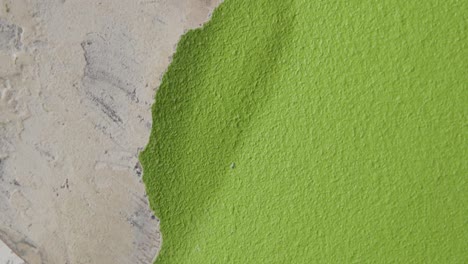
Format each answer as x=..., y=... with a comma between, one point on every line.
x=77, y=80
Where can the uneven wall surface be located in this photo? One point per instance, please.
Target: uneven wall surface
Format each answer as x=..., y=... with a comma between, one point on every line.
x=77, y=80
x=298, y=131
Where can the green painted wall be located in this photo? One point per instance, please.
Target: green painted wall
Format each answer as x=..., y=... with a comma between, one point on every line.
x=315, y=132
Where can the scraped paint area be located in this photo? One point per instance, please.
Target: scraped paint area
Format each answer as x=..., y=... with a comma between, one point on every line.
x=314, y=132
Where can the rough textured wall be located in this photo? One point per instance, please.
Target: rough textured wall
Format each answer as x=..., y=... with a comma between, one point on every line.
x=298, y=131
x=77, y=79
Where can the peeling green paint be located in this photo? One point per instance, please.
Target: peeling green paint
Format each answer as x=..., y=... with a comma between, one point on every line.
x=314, y=132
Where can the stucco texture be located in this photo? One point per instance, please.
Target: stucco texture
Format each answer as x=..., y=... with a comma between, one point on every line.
x=314, y=132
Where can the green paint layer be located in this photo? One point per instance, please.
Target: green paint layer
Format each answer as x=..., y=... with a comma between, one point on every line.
x=314, y=132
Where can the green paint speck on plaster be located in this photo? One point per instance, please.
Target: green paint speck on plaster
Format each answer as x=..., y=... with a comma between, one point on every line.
x=314, y=132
